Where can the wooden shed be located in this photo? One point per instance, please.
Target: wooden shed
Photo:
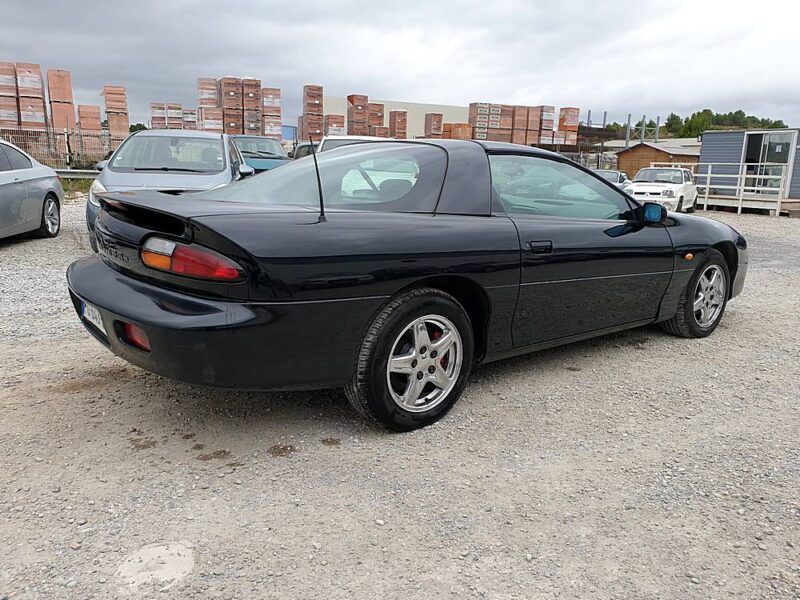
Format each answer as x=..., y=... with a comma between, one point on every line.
x=642, y=154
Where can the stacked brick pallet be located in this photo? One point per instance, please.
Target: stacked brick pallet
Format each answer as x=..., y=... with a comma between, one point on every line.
x=310, y=123
x=189, y=118
x=492, y=122
x=376, y=119
x=30, y=96
x=251, y=106
x=174, y=115
x=271, y=113
x=546, y=122
x=398, y=124
x=209, y=113
x=9, y=110
x=457, y=131
x=568, y=121
x=433, y=125
x=62, y=107
x=230, y=99
x=158, y=115
x=333, y=125
x=357, y=114
x=116, y=110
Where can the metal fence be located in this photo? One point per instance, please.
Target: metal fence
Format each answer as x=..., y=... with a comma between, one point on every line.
x=62, y=149
x=740, y=185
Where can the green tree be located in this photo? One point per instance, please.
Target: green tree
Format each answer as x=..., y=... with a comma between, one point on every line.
x=137, y=127
x=673, y=124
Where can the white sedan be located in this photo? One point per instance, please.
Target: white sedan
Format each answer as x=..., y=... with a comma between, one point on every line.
x=673, y=188
x=30, y=194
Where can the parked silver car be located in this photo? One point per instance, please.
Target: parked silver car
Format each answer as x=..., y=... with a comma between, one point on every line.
x=30, y=194
x=171, y=161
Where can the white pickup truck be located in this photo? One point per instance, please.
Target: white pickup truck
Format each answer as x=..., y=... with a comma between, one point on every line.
x=673, y=188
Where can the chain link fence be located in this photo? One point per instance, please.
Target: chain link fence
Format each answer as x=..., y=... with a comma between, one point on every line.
x=62, y=149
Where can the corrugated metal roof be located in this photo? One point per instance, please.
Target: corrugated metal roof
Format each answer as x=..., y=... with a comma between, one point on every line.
x=670, y=146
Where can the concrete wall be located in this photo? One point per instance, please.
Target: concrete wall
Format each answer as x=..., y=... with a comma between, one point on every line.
x=416, y=112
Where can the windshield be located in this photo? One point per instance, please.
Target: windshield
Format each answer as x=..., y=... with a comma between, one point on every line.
x=259, y=147
x=383, y=177
x=659, y=176
x=612, y=176
x=166, y=153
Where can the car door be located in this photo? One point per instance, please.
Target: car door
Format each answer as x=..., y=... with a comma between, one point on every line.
x=690, y=189
x=588, y=264
x=13, y=190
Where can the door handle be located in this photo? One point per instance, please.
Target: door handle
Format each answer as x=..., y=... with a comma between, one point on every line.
x=539, y=246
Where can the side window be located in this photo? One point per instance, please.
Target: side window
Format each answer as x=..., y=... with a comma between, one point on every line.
x=530, y=185
x=5, y=165
x=687, y=177
x=17, y=159
x=234, y=158
x=380, y=179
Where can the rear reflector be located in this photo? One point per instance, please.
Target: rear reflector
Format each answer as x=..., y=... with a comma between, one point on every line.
x=189, y=260
x=136, y=337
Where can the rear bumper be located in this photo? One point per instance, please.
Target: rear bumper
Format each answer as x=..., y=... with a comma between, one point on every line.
x=293, y=345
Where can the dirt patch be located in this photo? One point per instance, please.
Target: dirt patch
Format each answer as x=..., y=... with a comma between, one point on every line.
x=142, y=443
x=216, y=455
x=281, y=450
x=330, y=441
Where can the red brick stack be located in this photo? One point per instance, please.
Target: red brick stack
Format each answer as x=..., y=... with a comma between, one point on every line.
x=333, y=125
x=519, y=127
x=492, y=122
x=207, y=92
x=546, y=122
x=189, y=118
x=32, y=113
x=311, y=120
x=229, y=91
x=398, y=124
x=433, y=125
x=251, y=105
x=357, y=114
x=174, y=115
x=59, y=90
x=534, y=123
x=89, y=118
x=210, y=119
x=9, y=110
x=158, y=115
x=271, y=113
x=116, y=110
x=568, y=121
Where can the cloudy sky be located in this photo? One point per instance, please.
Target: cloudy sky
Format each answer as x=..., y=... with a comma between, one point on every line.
x=643, y=56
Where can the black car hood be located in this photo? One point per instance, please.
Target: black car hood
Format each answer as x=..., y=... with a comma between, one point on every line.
x=190, y=206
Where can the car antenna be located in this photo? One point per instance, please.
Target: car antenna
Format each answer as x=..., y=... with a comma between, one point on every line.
x=319, y=180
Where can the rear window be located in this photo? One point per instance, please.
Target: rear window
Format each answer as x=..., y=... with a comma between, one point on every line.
x=259, y=147
x=176, y=154
x=385, y=176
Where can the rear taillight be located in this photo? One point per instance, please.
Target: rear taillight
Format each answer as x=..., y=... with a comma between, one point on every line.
x=189, y=260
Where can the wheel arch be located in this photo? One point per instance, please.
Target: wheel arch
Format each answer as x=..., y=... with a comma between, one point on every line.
x=729, y=252
x=472, y=297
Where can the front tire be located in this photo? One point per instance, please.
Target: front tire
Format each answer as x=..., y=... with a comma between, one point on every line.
x=51, y=218
x=703, y=300
x=414, y=361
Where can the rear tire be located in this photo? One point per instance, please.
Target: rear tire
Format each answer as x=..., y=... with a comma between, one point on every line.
x=692, y=208
x=679, y=208
x=703, y=300
x=51, y=218
x=427, y=336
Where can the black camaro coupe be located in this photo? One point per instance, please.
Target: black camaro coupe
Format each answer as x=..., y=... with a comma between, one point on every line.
x=431, y=256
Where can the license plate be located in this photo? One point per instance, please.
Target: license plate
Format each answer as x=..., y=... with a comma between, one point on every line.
x=91, y=314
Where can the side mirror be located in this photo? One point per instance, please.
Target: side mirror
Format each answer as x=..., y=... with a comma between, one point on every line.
x=654, y=214
x=246, y=170
x=290, y=154
x=627, y=182
x=101, y=165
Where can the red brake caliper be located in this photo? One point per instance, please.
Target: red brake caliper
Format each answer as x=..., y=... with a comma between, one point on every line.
x=443, y=361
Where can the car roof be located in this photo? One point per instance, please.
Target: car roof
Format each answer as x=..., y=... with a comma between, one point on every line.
x=357, y=137
x=178, y=133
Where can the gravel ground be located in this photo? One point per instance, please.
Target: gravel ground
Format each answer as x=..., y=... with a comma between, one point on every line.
x=636, y=465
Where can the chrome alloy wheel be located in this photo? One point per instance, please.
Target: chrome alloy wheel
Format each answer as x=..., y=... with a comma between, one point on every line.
x=424, y=363
x=709, y=296
x=52, y=219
